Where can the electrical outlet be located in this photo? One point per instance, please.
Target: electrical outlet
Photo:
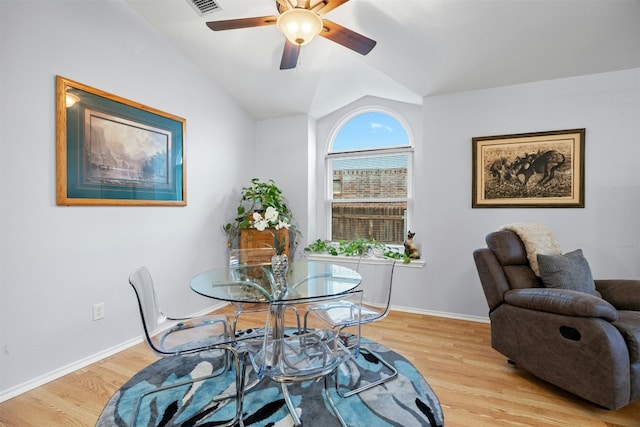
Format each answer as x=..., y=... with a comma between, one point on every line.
x=98, y=311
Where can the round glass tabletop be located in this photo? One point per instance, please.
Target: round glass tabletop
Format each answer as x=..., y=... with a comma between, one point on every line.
x=255, y=283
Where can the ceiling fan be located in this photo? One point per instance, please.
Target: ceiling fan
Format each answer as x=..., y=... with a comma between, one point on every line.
x=300, y=23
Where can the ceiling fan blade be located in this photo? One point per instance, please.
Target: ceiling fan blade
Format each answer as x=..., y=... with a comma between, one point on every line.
x=347, y=38
x=289, y=55
x=327, y=6
x=233, y=24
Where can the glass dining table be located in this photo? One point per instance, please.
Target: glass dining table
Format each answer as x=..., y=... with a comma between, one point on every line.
x=305, y=280
x=255, y=283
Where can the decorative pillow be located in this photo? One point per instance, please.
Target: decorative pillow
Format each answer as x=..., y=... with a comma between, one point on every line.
x=569, y=271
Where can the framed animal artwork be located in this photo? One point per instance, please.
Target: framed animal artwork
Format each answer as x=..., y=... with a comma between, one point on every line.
x=529, y=170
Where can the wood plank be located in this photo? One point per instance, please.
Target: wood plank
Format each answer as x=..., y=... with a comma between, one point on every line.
x=475, y=384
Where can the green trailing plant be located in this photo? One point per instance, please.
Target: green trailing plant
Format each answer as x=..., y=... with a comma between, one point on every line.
x=258, y=198
x=355, y=247
x=320, y=247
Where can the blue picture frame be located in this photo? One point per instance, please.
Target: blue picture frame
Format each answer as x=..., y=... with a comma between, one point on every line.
x=113, y=151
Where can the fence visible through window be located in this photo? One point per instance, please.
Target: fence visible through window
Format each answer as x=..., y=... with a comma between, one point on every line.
x=384, y=222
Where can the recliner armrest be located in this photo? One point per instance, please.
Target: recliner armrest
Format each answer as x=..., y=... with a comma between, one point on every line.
x=621, y=293
x=561, y=301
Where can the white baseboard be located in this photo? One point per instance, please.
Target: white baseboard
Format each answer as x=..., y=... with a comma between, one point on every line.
x=60, y=372
x=441, y=314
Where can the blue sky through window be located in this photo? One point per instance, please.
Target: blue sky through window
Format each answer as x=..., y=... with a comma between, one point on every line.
x=370, y=130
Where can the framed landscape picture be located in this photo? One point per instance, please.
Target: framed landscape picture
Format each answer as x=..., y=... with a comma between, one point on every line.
x=112, y=151
x=542, y=169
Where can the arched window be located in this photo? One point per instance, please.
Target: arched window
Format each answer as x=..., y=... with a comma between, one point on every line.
x=369, y=178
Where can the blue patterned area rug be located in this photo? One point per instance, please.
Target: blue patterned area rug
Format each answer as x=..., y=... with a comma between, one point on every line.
x=406, y=401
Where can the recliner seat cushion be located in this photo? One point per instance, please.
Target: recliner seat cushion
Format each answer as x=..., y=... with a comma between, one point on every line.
x=570, y=271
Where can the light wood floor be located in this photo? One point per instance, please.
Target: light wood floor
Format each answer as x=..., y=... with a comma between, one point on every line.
x=475, y=385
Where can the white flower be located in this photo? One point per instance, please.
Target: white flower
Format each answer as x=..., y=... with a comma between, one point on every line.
x=271, y=219
x=282, y=224
x=271, y=214
x=261, y=224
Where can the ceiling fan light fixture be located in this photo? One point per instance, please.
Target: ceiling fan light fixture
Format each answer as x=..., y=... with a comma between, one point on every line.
x=299, y=25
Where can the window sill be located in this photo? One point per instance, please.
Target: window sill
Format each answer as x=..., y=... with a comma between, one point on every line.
x=415, y=263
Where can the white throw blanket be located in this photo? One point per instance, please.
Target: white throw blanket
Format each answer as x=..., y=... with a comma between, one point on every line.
x=537, y=239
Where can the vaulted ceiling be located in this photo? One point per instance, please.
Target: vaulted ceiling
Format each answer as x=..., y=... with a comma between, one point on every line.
x=424, y=47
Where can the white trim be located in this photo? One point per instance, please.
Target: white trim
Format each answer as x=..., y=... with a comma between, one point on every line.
x=434, y=313
x=208, y=310
x=79, y=364
x=415, y=263
x=371, y=108
x=372, y=152
x=60, y=372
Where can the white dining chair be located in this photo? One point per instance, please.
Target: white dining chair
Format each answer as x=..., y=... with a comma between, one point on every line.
x=345, y=312
x=171, y=336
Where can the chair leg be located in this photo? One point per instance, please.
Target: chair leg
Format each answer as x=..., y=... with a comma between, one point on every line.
x=292, y=409
x=240, y=387
x=331, y=403
x=393, y=375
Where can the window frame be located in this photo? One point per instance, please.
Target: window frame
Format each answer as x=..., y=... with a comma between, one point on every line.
x=330, y=156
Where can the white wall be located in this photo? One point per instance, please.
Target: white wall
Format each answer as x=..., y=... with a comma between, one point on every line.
x=282, y=150
x=607, y=229
x=56, y=262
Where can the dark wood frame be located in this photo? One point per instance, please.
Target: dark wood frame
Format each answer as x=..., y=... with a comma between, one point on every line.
x=529, y=170
x=113, y=151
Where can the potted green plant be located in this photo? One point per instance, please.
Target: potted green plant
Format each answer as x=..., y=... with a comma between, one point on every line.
x=356, y=247
x=262, y=206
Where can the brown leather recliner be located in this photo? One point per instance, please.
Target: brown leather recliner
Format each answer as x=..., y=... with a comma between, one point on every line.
x=587, y=345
